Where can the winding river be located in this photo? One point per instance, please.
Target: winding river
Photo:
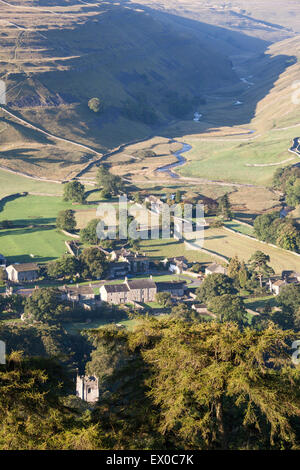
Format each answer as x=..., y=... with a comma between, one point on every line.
x=180, y=161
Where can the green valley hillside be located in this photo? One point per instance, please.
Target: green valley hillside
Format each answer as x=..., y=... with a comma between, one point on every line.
x=54, y=58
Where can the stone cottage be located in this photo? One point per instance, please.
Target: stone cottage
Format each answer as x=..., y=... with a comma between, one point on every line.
x=277, y=286
x=139, y=290
x=78, y=293
x=26, y=272
x=175, y=288
x=215, y=268
x=176, y=265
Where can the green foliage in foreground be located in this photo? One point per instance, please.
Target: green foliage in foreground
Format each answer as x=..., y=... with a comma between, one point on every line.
x=32, y=412
x=44, y=340
x=168, y=384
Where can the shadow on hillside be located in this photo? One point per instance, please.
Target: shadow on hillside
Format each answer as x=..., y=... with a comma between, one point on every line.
x=28, y=259
x=10, y=198
x=25, y=230
x=130, y=52
x=46, y=223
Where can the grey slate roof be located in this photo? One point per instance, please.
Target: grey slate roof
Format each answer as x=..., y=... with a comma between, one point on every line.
x=113, y=288
x=142, y=284
x=169, y=286
x=25, y=267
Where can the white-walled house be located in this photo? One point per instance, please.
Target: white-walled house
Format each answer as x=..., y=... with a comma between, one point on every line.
x=215, y=268
x=26, y=272
x=176, y=265
x=277, y=286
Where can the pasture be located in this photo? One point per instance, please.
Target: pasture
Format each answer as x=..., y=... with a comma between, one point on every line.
x=11, y=184
x=33, y=232
x=31, y=210
x=230, y=244
x=45, y=244
x=167, y=248
x=234, y=160
x=224, y=243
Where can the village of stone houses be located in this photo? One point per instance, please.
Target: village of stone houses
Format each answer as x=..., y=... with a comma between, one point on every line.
x=49, y=307
x=149, y=226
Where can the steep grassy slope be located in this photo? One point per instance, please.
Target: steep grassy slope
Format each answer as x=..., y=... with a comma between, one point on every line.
x=245, y=143
x=281, y=106
x=271, y=20
x=54, y=58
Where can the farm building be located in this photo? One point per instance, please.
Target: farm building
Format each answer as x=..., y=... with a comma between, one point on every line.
x=176, y=288
x=137, y=263
x=114, y=294
x=116, y=255
x=176, y=265
x=215, y=268
x=27, y=272
x=139, y=290
x=291, y=277
x=120, y=269
x=156, y=203
x=78, y=293
x=277, y=286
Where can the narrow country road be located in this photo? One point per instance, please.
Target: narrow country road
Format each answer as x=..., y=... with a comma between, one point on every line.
x=48, y=134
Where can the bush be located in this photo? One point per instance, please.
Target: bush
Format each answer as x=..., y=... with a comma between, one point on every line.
x=94, y=104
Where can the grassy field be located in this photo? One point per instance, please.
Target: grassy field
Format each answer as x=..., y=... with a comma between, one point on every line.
x=31, y=209
x=167, y=248
x=230, y=160
x=75, y=328
x=156, y=278
x=260, y=302
x=34, y=233
x=44, y=243
x=251, y=201
x=245, y=229
x=229, y=244
x=11, y=184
